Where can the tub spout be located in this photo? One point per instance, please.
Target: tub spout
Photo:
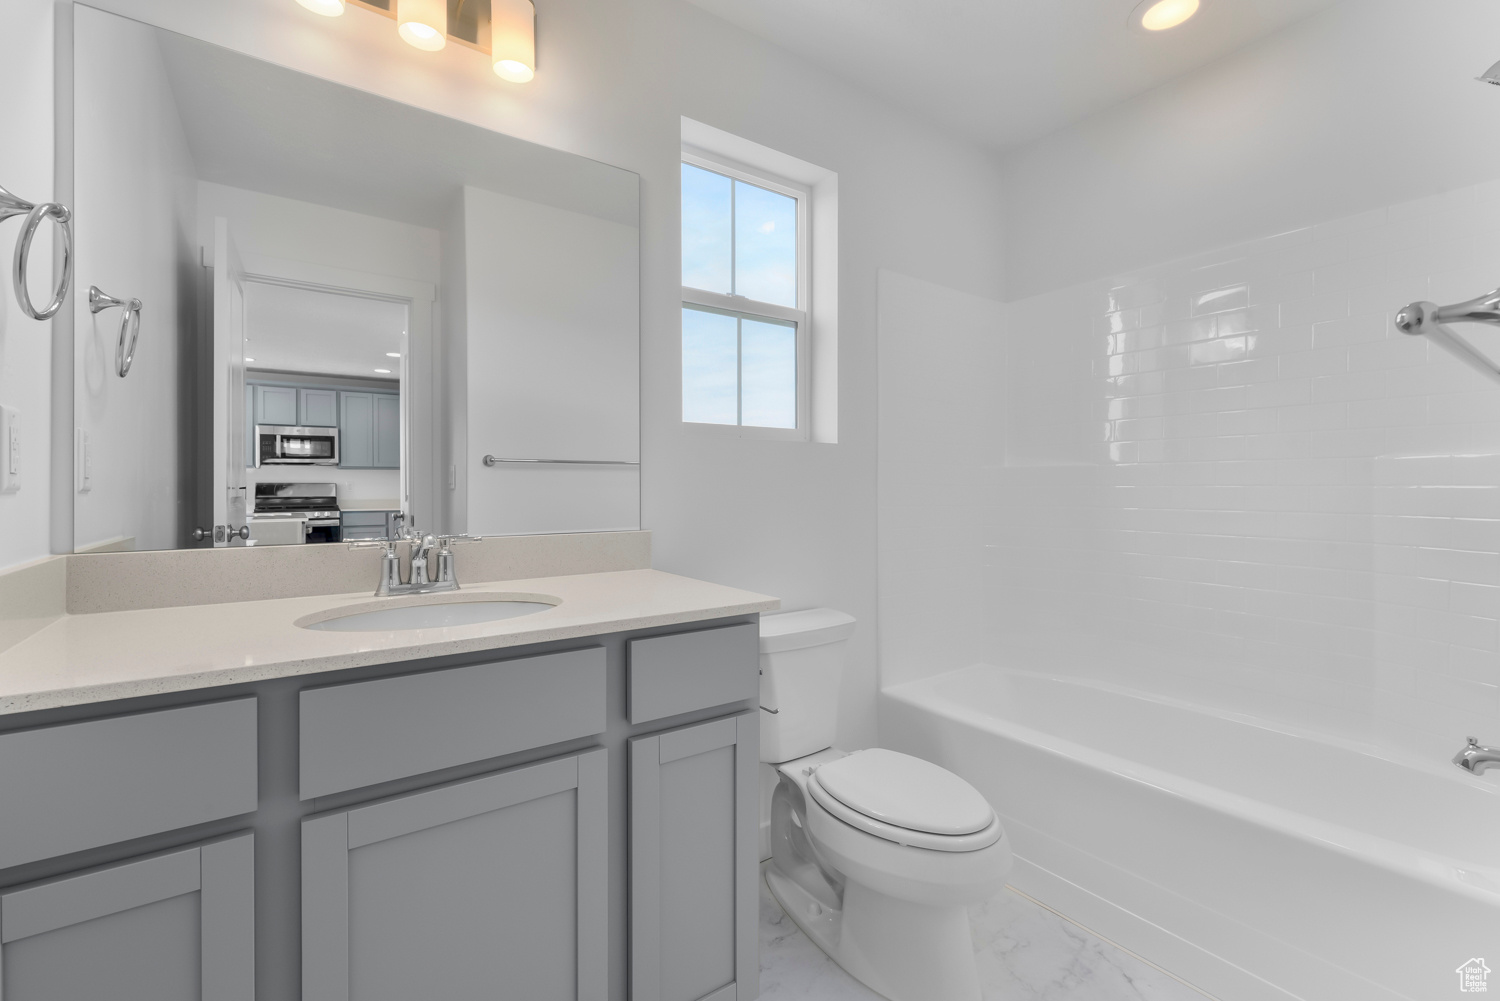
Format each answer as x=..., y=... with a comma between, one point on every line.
x=1476, y=758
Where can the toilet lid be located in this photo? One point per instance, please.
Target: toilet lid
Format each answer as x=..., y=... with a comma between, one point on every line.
x=904, y=791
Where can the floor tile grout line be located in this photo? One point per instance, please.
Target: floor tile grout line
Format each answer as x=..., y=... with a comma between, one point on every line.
x=1104, y=938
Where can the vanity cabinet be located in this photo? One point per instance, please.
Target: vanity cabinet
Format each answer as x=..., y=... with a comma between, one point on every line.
x=175, y=926
x=495, y=886
x=485, y=824
x=694, y=862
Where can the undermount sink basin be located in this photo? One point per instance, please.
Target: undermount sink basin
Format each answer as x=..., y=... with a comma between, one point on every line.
x=465, y=611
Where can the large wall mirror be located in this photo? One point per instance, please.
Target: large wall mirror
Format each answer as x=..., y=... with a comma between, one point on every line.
x=315, y=309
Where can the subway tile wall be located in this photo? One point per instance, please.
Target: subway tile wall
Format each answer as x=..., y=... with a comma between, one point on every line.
x=1230, y=479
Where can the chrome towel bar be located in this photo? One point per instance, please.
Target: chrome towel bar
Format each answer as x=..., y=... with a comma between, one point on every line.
x=490, y=460
x=131, y=321
x=10, y=205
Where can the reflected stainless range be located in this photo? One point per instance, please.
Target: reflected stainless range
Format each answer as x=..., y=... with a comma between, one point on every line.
x=280, y=445
x=316, y=504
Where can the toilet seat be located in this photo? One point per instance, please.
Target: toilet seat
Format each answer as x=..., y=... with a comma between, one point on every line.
x=907, y=800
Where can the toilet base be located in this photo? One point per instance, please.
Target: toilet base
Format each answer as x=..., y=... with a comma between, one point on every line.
x=901, y=950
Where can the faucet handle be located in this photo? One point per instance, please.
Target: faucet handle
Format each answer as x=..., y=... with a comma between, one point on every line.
x=1473, y=741
x=372, y=544
x=447, y=540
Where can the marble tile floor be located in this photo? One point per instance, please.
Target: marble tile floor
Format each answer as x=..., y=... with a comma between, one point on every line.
x=1026, y=953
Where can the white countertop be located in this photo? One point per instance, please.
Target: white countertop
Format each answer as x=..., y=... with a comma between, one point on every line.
x=119, y=655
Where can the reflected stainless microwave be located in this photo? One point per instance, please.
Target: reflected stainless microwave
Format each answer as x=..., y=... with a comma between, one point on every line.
x=277, y=445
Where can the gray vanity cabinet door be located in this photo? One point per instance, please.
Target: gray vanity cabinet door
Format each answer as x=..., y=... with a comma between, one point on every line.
x=694, y=862
x=318, y=408
x=356, y=430
x=276, y=405
x=493, y=887
x=179, y=926
x=387, y=432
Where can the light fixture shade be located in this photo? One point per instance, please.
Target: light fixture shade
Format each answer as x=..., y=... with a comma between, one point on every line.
x=1152, y=16
x=328, y=8
x=513, y=39
x=1491, y=75
x=423, y=23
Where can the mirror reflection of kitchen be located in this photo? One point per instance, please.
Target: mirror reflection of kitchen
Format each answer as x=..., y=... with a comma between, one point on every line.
x=323, y=373
x=353, y=309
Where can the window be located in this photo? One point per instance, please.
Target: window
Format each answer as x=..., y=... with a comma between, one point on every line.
x=745, y=292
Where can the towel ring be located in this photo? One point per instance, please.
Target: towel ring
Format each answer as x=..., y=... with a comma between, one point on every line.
x=130, y=320
x=10, y=205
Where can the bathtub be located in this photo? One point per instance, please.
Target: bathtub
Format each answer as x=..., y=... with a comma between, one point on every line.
x=1252, y=861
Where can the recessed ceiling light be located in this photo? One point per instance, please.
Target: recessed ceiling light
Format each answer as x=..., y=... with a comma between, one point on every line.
x=383, y=371
x=393, y=354
x=1159, y=15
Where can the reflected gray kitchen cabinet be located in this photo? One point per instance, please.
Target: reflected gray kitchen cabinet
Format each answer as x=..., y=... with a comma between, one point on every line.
x=494, y=886
x=693, y=862
x=276, y=405
x=369, y=430
x=357, y=430
x=317, y=408
x=387, y=432
x=179, y=926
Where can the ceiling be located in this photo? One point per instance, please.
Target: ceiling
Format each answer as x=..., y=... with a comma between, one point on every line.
x=1004, y=72
x=322, y=333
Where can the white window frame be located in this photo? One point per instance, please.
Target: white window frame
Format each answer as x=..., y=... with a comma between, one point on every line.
x=742, y=306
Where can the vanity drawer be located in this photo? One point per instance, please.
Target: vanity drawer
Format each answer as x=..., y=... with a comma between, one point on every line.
x=682, y=672
x=84, y=785
x=368, y=732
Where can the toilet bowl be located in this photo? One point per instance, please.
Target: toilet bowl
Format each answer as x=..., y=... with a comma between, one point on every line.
x=874, y=854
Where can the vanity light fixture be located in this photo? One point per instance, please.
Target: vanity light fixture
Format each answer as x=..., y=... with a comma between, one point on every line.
x=393, y=354
x=328, y=8
x=423, y=23
x=513, y=39
x=1491, y=76
x=382, y=371
x=1152, y=16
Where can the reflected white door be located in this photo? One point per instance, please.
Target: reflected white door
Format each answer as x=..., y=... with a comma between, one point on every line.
x=229, y=387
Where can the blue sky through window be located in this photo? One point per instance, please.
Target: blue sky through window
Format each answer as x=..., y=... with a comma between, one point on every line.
x=738, y=239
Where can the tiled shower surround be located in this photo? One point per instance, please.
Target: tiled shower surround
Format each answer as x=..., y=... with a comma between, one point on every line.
x=1230, y=479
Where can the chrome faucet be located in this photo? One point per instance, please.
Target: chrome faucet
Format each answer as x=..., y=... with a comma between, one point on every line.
x=1476, y=757
x=421, y=549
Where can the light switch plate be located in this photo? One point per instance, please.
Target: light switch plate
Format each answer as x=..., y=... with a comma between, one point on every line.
x=10, y=450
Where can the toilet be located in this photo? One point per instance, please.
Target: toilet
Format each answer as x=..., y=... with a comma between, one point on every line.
x=874, y=854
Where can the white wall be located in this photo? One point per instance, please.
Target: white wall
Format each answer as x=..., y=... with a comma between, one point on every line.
x=294, y=230
x=25, y=344
x=1369, y=103
x=1265, y=497
x=552, y=318
x=614, y=78
x=1228, y=478
x=134, y=236
x=799, y=520
x=942, y=380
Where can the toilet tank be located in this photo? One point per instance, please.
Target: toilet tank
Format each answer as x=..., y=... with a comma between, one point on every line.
x=801, y=666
